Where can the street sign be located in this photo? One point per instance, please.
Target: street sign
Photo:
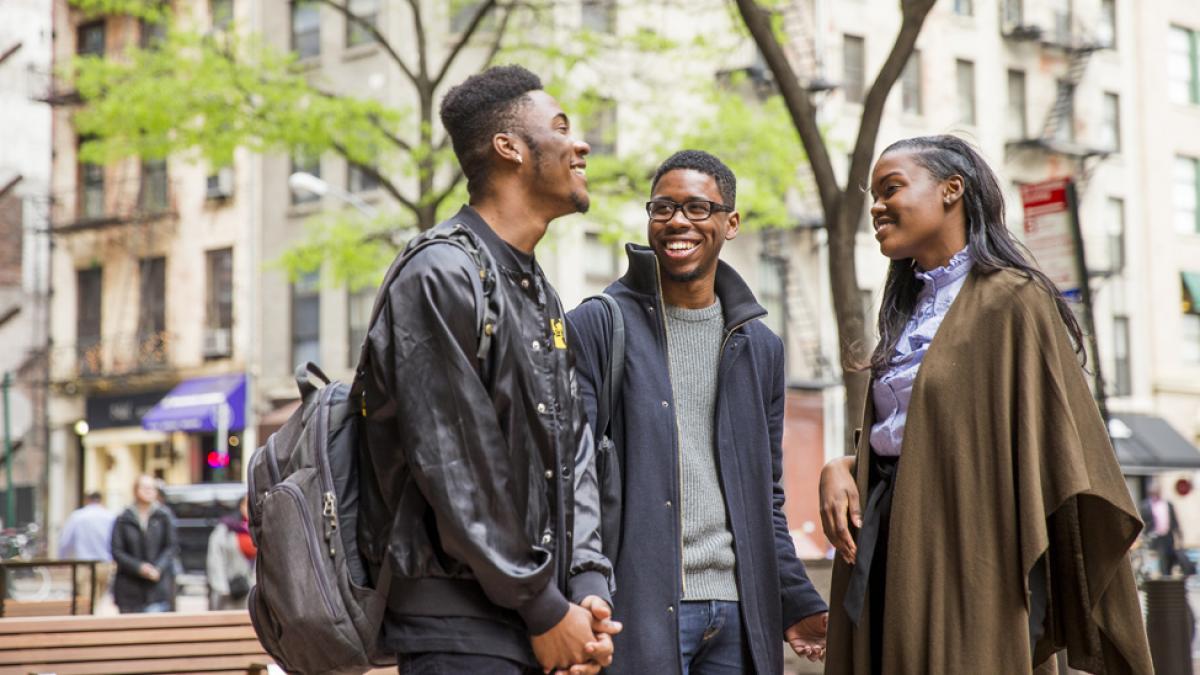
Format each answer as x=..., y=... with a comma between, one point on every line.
x=1050, y=234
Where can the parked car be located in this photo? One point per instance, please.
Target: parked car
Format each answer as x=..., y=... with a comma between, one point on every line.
x=198, y=508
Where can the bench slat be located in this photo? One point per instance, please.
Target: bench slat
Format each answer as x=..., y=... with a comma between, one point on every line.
x=74, y=624
x=127, y=637
x=126, y=652
x=172, y=666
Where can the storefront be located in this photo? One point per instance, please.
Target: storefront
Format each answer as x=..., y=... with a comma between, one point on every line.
x=114, y=448
x=205, y=416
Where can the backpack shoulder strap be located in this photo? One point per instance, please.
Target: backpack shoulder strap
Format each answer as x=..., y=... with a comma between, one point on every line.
x=483, y=284
x=610, y=391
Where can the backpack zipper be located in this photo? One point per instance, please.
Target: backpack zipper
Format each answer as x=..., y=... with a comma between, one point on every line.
x=314, y=552
x=329, y=509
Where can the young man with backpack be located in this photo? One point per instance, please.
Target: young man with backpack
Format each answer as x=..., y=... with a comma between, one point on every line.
x=479, y=494
x=705, y=565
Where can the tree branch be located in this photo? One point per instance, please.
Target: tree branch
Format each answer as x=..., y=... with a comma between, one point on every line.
x=500, y=31
x=476, y=20
x=422, y=47
x=800, y=107
x=344, y=8
x=914, y=13
x=454, y=180
x=371, y=171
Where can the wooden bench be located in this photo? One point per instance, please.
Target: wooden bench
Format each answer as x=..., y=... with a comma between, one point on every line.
x=212, y=642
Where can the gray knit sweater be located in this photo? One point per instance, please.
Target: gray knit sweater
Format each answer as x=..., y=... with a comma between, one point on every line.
x=694, y=347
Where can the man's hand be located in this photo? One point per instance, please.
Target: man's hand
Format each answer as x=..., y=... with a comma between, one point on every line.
x=599, y=650
x=564, y=645
x=149, y=571
x=839, y=506
x=807, y=636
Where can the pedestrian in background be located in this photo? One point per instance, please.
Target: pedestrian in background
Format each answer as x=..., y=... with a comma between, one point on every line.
x=144, y=546
x=701, y=454
x=87, y=535
x=1162, y=529
x=984, y=523
x=230, y=563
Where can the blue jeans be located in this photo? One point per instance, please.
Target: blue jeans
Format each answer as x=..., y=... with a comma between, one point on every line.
x=710, y=638
x=156, y=607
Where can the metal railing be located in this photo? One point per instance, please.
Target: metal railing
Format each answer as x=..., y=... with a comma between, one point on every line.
x=127, y=354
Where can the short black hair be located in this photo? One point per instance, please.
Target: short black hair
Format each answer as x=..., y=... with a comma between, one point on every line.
x=698, y=160
x=484, y=105
x=92, y=497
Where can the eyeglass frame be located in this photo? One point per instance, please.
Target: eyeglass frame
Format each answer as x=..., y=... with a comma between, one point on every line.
x=713, y=207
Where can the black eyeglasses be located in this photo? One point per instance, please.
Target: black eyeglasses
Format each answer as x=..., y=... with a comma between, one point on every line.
x=662, y=210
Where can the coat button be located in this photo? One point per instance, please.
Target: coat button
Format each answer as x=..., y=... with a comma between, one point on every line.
x=665, y=404
x=536, y=345
x=670, y=610
x=549, y=474
x=525, y=283
x=546, y=538
x=668, y=504
x=541, y=407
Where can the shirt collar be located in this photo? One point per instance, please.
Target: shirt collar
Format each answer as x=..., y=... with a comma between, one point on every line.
x=505, y=254
x=957, y=268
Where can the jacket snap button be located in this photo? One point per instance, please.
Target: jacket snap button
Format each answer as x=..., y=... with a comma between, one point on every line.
x=524, y=283
x=665, y=404
x=670, y=610
x=541, y=407
x=536, y=345
x=668, y=504
x=549, y=474
x=546, y=538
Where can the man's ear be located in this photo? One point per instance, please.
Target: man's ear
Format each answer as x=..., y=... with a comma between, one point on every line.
x=735, y=223
x=952, y=189
x=509, y=148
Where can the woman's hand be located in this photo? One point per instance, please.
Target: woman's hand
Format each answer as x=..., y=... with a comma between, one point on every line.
x=840, y=506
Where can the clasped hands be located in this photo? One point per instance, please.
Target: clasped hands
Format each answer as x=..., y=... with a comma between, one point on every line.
x=581, y=642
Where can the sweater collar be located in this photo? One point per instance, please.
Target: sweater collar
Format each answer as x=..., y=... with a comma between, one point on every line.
x=737, y=300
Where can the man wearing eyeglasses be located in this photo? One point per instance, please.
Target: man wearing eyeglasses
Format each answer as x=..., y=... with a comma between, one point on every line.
x=706, y=573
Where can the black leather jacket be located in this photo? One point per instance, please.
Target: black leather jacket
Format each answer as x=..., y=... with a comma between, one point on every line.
x=477, y=468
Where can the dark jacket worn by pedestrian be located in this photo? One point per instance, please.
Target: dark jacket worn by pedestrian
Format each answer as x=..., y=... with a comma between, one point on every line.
x=773, y=587
x=475, y=470
x=157, y=544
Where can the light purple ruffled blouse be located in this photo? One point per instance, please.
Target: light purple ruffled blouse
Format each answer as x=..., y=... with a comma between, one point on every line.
x=892, y=391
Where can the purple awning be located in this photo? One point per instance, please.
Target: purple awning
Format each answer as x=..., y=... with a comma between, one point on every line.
x=198, y=403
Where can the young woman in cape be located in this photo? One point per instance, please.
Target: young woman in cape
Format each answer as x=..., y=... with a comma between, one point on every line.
x=983, y=524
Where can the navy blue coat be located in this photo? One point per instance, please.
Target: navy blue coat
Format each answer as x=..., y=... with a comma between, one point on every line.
x=773, y=585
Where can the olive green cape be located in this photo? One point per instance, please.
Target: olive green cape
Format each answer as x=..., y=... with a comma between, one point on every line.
x=1005, y=459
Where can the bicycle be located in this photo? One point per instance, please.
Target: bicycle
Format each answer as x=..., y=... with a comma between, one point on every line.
x=25, y=582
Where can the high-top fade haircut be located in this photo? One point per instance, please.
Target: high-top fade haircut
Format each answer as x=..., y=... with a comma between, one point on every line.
x=698, y=160
x=484, y=105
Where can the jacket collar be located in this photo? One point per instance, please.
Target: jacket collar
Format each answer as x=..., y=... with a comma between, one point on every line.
x=500, y=249
x=737, y=300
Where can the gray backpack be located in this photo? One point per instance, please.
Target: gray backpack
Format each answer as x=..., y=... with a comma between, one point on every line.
x=314, y=606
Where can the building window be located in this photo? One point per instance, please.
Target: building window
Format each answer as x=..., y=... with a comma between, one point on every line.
x=910, y=84
x=854, y=67
x=1114, y=224
x=965, y=77
x=91, y=201
x=601, y=130
x=221, y=12
x=964, y=7
x=303, y=162
x=87, y=319
x=1110, y=125
x=151, y=33
x=367, y=12
x=1190, y=353
x=1062, y=21
x=1014, y=13
x=218, y=312
x=152, y=311
x=306, y=319
x=306, y=28
x=461, y=18
x=362, y=179
x=1064, y=121
x=599, y=16
x=91, y=39
x=358, y=305
x=1183, y=66
x=1186, y=192
x=1017, y=120
x=1106, y=30
x=152, y=193
x=1122, y=382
